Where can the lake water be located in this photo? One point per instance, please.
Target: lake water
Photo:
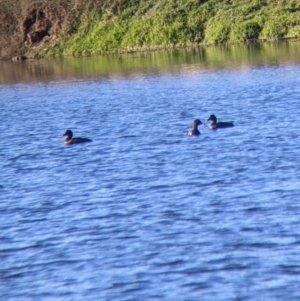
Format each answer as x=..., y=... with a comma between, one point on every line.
x=145, y=212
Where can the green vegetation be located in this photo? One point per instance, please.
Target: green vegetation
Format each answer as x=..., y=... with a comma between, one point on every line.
x=41, y=28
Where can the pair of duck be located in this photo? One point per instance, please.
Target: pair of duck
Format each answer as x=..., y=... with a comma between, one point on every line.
x=193, y=132
x=214, y=125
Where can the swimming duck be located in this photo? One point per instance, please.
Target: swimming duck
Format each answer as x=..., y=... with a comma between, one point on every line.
x=218, y=125
x=70, y=140
x=194, y=131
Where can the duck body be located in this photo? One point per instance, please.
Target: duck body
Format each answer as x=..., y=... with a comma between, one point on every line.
x=77, y=140
x=194, y=131
x=218, y=125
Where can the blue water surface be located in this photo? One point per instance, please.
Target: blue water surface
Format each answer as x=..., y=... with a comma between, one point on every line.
x=145, y=212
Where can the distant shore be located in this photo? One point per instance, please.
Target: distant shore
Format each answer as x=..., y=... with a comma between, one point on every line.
x=21, y=58
x=93, y=27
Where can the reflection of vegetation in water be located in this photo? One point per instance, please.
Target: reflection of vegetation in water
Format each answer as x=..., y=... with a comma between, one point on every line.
x=203, y=59
x=91, y=27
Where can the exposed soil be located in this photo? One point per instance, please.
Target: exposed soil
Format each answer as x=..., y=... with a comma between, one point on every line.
x=33, y=26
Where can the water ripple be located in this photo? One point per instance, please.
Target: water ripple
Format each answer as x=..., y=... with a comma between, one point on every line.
x=145, y=212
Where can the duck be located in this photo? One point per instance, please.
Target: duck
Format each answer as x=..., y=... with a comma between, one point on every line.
x=194, y=131
x=70, y=140
x=218, y=125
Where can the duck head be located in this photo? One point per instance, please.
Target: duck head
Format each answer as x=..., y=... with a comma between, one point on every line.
x=196, y=123
x=68, y=133
x=212, y=118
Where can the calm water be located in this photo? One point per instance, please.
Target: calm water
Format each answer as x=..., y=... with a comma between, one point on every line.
x=145, y=212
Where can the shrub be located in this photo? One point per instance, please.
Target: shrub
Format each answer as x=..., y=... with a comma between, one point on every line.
x=294, y=32
x=244, y=31
x=216, y=32
x=274, y=28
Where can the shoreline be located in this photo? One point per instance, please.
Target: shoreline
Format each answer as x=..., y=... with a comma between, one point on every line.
x=149, y=49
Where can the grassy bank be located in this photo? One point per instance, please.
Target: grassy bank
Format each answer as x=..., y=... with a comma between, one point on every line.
x=83, y=27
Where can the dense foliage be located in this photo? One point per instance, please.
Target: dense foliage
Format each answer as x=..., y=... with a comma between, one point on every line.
x=88, y=27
